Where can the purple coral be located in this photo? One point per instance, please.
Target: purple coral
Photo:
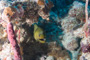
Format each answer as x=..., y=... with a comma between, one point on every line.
x=85, y=48
x=13, y=42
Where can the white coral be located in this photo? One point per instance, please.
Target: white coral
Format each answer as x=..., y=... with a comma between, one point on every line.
x=4, y=4
x=6, y=52
x=50, y=58
x=69, y=42
x=79, y=32
x=77, y=10
x=68, y=23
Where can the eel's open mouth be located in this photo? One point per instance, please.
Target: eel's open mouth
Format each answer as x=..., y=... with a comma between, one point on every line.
x=42, y=39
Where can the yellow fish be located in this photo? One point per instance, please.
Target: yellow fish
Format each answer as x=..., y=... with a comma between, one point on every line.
x=39, y=34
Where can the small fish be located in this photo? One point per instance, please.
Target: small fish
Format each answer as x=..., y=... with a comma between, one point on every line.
x=39, y=34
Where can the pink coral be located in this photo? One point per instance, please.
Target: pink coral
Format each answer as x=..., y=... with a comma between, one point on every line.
x=13, y=42
x=87, y=24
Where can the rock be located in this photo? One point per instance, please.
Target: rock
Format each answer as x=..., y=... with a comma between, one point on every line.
x=43, y=57
x=50, y=58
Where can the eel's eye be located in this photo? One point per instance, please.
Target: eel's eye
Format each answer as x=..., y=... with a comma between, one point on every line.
x=39, y=35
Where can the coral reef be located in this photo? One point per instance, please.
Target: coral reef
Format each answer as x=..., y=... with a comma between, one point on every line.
x=6, y=52
x=46, y=58
x=85, y=48
x=73, y=28
x=4, y=4
x=78, y=11
x=13, y=12
x=60, y=26
x=50, y=58
x=79, y=32
x=85, y=45
x=44, y=11
x=69, y=41
x=58, y=52
x=68, y=23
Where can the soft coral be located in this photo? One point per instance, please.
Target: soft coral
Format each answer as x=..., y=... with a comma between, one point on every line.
x=13, y=42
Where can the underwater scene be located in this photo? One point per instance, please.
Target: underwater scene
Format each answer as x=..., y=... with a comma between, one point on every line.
x=44, y=30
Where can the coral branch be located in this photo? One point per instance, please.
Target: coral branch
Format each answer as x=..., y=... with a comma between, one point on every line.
x=86, y=10
x=13, y=42
x=86, y=15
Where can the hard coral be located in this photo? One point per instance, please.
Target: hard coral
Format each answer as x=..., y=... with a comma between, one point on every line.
x=79, y=32
x=68, y=23
x=50, y=58
x=85, y=48
x=6, y=52
x=41, y=2
x=44, y=14
x=31, y=13
x=70, y=42
x=57, y=52
x=44, y=11
x=7, y=13
x=20, y=10
x=4, y=4
x=78, y=10
x=13, y=12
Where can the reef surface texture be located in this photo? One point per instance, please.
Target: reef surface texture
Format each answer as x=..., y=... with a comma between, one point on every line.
x=44, y=30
